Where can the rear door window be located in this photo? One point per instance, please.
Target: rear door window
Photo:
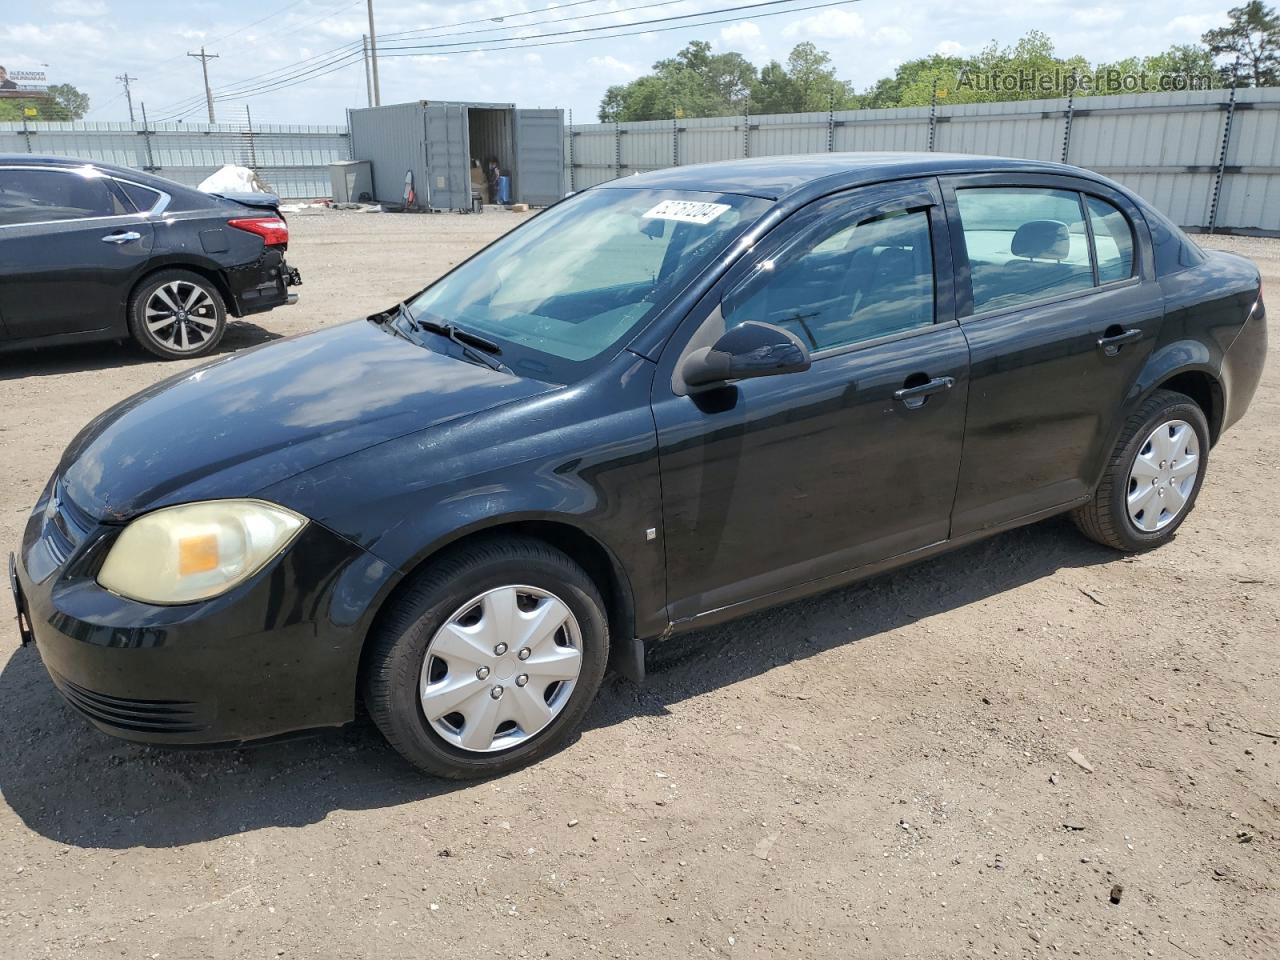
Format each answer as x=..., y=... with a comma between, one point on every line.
x=1024, y=244
x=39, y=196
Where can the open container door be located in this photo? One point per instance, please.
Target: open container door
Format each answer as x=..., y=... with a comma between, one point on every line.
x=539, y=156
x=448, y=185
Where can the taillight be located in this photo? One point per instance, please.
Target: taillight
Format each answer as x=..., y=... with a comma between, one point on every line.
x=273, y=231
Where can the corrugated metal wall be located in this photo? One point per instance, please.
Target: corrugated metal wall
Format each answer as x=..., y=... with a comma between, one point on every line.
x=1166, y=146
x=292, y=159
x=392, y=138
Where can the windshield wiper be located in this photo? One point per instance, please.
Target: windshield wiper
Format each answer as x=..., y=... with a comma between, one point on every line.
x=470, y=343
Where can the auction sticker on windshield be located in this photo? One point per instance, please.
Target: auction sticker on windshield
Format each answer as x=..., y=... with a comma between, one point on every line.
x=687, y=211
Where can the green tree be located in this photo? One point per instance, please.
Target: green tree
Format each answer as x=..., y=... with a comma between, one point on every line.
x=64, y=102
x=1250, y=42
x=915, y=75
x=807, y=83
x=69, y=101
x=693, y=83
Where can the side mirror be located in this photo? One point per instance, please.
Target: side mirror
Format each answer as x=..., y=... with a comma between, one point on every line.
x=752, y=349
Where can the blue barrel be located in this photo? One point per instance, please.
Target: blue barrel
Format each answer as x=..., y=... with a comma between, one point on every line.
x=504, y=189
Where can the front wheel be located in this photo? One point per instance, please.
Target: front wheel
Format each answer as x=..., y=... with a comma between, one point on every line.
x=488, y=660
x=1153, y=477
x=176, y=314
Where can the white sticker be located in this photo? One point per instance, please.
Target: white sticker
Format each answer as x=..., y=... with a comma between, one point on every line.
x=687, y=211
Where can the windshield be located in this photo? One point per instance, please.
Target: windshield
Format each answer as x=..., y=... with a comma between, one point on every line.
x=560, y=291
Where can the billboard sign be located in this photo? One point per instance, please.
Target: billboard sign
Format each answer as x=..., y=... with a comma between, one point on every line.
x=17, y=82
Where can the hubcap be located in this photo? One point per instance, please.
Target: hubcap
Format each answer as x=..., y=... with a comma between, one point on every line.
x=181, y=315
x=466, y=688
x=1163, y=475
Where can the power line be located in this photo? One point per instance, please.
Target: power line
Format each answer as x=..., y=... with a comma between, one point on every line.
x=575, y=17
x=557, y=7
x=184, y=107
x=436, y=49
x=178, y=107
x=351, y=53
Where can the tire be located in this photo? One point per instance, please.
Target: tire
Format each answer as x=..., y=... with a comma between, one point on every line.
x=456, y=592
x=1109, y=518
x=190, y=334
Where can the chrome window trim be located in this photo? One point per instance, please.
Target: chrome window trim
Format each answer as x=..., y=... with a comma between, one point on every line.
x=155, y=211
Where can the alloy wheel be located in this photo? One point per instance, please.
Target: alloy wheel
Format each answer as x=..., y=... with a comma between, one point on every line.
x=1163, y=475
x=181, y=316
x=502, y=667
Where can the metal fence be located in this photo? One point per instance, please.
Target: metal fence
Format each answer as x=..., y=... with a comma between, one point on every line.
x=1208, y=159
x=291, y=159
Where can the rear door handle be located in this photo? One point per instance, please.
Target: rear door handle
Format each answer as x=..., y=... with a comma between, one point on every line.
x=1110, y=344
x=914, y=397
x=124, y=237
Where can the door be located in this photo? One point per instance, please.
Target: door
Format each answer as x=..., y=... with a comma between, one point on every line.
x=774, y=482
x=71, y=246
x=539, y=156
x=448, y=184
x=1057, y=299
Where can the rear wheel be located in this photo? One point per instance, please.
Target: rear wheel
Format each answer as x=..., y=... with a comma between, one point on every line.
x=176, y=314
x=1153, y=476
x=488, y=660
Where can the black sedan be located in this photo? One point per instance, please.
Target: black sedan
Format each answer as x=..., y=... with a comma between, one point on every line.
x=665, y=402
x=96, y=252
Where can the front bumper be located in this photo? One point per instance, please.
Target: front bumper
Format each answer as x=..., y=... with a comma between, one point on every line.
x=277, y=654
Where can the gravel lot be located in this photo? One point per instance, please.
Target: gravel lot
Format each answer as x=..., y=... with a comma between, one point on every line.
x=882, y=771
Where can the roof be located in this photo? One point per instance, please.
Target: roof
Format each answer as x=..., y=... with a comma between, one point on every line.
x=128, y=173
x=774, y=178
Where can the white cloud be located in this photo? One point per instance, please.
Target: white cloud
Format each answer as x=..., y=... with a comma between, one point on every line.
x=1192, y=25
x=949, y=48
x=1096, y=16
x=80, y=8
x=891, y=35
x=611, y=66
x=828, y=25
x=741, y=36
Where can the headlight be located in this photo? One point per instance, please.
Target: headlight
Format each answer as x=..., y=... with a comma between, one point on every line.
x=197, y=550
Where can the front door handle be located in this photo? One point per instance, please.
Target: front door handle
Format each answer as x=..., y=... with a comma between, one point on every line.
x=1111, y=342
x=124, y=237
x=914, y=397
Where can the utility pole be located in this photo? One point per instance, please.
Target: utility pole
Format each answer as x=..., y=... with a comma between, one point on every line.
x=368, y=82
x=126, y=80
x=204, y=59
x=373, y=57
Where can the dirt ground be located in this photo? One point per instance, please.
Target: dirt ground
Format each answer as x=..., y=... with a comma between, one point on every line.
x=882, y=771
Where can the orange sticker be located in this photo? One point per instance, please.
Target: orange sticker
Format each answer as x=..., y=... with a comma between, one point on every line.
x=197, y=554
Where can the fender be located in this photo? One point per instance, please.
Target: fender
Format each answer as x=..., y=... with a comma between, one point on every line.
x=1165, y=363
x=1170, y=360
x=554, y=464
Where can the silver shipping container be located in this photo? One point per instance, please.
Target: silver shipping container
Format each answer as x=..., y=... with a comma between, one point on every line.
x=435, y=155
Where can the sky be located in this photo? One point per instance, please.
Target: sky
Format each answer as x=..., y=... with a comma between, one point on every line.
x=88, y=43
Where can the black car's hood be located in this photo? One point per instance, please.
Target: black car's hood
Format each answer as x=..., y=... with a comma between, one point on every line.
x=242, y=423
